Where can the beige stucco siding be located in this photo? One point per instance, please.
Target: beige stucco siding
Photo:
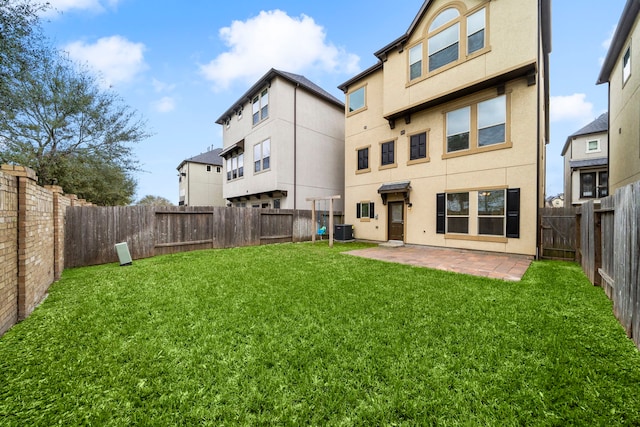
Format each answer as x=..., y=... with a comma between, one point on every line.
x=624, y=114
x=200, y=187
x=509, y=45
x=513, y=167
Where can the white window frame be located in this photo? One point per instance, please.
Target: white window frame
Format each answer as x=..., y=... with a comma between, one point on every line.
x=626, y=65
x=595, y=150
x=260, y=154
x=260, y=106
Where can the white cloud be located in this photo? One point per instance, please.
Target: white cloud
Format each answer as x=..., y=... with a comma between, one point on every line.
x=606, y=43
x=165, y=105
x=96, y=6
x=162, y=86
x=571, y=108
x=117, y=59
x=275, y=40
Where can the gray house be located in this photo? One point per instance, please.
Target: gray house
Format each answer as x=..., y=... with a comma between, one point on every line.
x=586, y=162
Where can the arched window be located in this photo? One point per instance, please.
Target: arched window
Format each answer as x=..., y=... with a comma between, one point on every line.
x=444, y=39
x=453, y=36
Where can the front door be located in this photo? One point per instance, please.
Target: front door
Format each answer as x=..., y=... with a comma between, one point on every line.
x=396, y=221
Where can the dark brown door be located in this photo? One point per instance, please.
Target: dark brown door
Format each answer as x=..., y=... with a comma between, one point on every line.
x=396, y=221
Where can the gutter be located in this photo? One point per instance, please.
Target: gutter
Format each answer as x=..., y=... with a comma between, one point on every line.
x=295, y=145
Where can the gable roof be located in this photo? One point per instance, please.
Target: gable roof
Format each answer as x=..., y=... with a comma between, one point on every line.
x=627, y=19
x=295, y=79
x=399, y=43
x=208, y=158
x=599, y=125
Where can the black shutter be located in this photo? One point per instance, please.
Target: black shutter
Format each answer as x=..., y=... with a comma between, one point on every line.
x=513, y=212
x=357, y=210
x=371, y=211
x=440, y=213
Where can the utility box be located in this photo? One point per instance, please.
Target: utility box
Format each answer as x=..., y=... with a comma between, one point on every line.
x=122, y=249
x=343, y=232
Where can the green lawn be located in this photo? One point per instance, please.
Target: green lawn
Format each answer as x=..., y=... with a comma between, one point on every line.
x=301, y=334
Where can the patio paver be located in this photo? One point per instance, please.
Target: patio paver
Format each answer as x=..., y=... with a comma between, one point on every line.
x=488, y=264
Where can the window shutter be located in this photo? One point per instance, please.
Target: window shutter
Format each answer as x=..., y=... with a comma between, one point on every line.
x=440, y=213
x=371, y=212
x=513, y=212
x=357, y=210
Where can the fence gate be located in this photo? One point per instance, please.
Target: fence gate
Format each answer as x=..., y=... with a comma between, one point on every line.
x=558, y=233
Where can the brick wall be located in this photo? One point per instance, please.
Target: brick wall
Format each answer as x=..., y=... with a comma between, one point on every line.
x=8, y=251
x=31, y=241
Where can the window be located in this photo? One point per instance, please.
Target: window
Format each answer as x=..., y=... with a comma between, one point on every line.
x=587, y=185
x=415, y=62
x=446, y=41
x=260, y=107
x=276, y=203
x=235, y=167
x=363, y=159
x=365, y=210
x=208, y=168
x=418, y=146
x=593, y=146
x=239, y=114
x=594, y=184
x=458, y=127
x=490, y=125
x=497, y=213
x=603, y=184
x=388, y=153
x=356, y=99
x=475, y=31
x=492, y=118
x=227, y=123
x=262, y=156
x=443, y=46
x=626, y=65
x=458, y=213
x=491, y=212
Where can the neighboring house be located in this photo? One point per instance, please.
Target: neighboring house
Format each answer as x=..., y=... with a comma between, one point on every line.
x=621, y=69
x=446, y=134
x=283, y=143
x=585, y=162
x=555, y=201
x=200, y=179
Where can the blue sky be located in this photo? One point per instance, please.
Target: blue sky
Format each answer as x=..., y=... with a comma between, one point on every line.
x=181, y=64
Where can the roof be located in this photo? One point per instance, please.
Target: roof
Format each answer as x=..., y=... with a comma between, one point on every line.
x=295, y=79
x=208, y=158
x=545, y=11
x=601, y=161
x=599, y=125
x=619, y=40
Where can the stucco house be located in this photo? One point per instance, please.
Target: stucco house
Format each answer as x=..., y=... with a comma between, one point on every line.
x=621, y=69
x=586, y=169
x=446, y=134
x=283, y=142
x=200, y=179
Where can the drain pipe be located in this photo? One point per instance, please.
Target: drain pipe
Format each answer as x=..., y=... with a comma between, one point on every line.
x=295, y=146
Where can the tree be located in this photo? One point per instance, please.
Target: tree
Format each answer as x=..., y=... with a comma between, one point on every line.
x=150, y=200
x=58, y=121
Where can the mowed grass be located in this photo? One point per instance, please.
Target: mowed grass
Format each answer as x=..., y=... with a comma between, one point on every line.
x=301, y=334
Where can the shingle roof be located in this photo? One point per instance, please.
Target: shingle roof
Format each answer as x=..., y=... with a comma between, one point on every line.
x=208, y=158
x=599, y=125
x=291, y=77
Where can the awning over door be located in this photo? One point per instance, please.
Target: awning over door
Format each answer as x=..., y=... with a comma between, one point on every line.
x=237, y=147
x=403, y=187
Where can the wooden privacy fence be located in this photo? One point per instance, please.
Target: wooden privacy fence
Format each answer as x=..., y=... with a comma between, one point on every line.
x=92, y=232
x=558, y=231
x=609, y=252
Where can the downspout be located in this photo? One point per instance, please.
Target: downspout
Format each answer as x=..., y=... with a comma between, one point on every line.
x=538, y=139
x=295, y=145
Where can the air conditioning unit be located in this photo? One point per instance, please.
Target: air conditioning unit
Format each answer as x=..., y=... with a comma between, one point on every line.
x=343, y=232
